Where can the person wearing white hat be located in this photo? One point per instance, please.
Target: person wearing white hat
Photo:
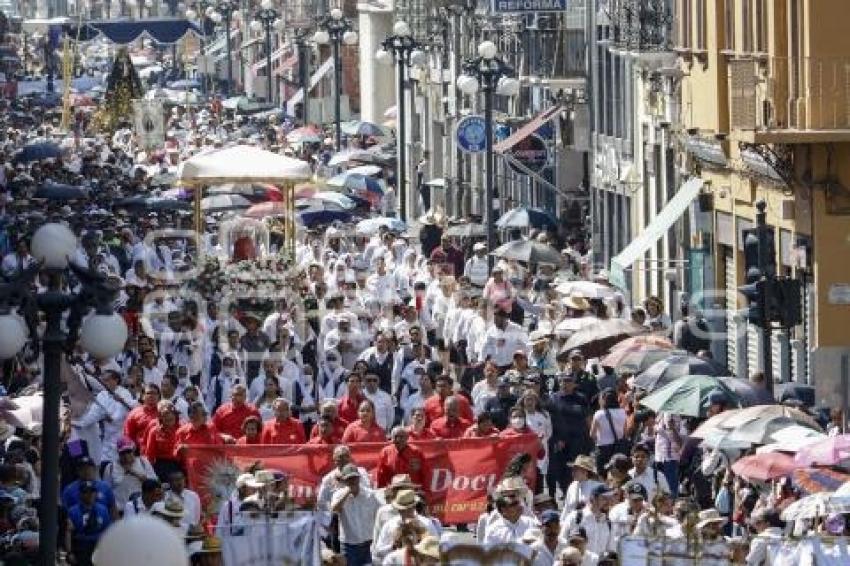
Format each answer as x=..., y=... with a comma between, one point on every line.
x=407, y=522
x=476, y=267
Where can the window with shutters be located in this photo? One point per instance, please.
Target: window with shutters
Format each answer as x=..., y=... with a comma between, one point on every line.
x=747, y=26
x=701, y=24
x=685, y=24
x=760, y=31
x=742, y=90
x=729, y=24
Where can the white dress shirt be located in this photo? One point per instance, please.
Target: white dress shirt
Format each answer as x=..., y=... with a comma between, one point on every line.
x=357, y=514
x=501, y=530
x=191, y=506
x=652, y=480
x=387, y=537
x=500, y=344
x=384, y=408
x=598, y=530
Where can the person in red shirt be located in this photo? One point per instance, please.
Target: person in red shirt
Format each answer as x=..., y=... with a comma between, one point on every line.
x=365, y=429
x=434, y=405
x=399, y=458
x=229, y=417
x=349, y=405
x=329, y=410
x=283, y=429
x=141, y=418
x=197, y=431
x=450, y=425
x=161, y=440
x=251, y=428
x=324, y=433
x=418, y=428
x=482, y=427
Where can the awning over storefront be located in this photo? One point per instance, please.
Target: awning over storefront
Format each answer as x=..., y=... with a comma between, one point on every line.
x=672, y=211
x=122, y=32
x=528, y=129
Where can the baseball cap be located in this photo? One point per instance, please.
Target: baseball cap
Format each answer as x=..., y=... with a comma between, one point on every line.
x=601, y=490
x=549, y=516
x=635, y=490
x=577, y=532
x=84, y=461
x=124, y=444
x=575, y=353
x=87, y=486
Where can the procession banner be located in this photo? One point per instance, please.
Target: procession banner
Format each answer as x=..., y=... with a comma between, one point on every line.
x=457, y=474
x=288, y=540
x=149, y=122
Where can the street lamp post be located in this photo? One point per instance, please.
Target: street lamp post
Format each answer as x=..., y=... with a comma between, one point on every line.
x=206, y=23
x=492, y=75
x=336, y=29
x=224, y=11
x=302, y=45
x=268, y=18
x=102, y=333
x=403, y=49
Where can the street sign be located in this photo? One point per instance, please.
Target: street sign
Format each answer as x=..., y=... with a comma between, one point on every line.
x=530, y=152
x=470, y=134
x=528, y=6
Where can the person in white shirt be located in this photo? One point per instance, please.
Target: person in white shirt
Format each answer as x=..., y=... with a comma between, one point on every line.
x=607, y=428
x=109, y=409
x=593, y=518
x=577, y=538
x=356, y=506
x=649, y=477
x=141, y=502
x=332, y=481
x=14, y=263
x=383, y=402
x=549, y=546
x=583, y=484
x=624, y=515
x=487, y=388
x=502, y=339
x=380, y=284
x=511, y=524
x=126, y=474
x=476, y=267
x=770, y=528
x=407, y=518
x=190, y=500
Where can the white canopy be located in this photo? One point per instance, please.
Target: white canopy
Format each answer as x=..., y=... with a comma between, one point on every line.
x=242, y=164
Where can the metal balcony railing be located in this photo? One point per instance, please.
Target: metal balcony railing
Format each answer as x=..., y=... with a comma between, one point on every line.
x=779, y=93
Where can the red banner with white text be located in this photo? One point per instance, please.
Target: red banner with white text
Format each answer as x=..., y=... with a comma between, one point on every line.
x=458, y=473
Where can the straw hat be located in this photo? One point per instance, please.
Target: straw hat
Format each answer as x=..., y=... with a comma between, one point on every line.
x=404, y=499
x=576, y=302
x=513, y=483
x=171, y=507
x=585, y=463
x=708, y=516
x=429, y=546
x=260, y=479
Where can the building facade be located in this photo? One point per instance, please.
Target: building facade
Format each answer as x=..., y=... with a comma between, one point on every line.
x=765, y=87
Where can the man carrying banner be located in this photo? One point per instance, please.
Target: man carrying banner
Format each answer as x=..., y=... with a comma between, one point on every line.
x=399, y=458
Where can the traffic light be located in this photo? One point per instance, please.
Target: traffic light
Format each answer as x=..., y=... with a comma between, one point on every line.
x=755, y=294
x=788, y=293
x=754, y=238
x=752, y=272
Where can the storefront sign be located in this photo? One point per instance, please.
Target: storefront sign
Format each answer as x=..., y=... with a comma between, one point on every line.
x=532, y=153
x=470, y=134
x=528, y=6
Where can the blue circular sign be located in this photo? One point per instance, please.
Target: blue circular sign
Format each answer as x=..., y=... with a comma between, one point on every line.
x=471, y=134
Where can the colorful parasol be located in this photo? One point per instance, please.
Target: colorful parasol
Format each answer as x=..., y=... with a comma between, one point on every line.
x=815, y=480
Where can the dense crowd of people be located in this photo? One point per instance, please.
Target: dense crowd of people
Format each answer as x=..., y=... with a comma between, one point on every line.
x=385, y=337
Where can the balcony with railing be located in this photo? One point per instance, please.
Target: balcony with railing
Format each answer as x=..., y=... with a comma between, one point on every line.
x=790, y=100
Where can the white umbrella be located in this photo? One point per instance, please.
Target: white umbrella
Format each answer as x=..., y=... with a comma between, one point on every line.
x=336, y=198
x=586, y=289
x=570, y=325
x=367, y=170
x=817, y=505
x=347, y=155
x=217, y=203
x=371, y=225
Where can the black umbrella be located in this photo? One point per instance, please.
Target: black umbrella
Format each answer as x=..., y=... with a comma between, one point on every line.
x=675, y=366
x=37, y=151
x=56, y=191
x=596, y=339
x=153, y=203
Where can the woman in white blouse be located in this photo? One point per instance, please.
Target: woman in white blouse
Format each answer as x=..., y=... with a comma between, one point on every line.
x=265, y=402
x=539, y=421
x=607, y=428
